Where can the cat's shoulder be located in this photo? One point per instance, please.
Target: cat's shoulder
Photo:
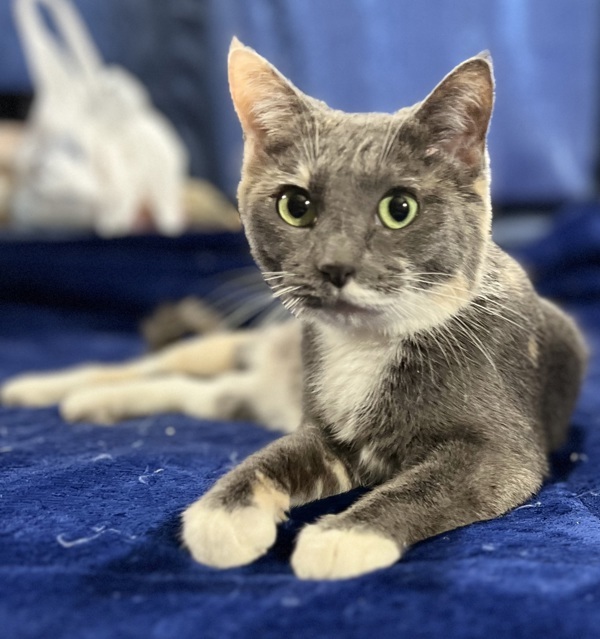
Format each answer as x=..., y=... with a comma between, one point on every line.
x=505, y=277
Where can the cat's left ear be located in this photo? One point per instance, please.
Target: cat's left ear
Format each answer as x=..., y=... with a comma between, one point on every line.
x=264, y=100
x=458, y=111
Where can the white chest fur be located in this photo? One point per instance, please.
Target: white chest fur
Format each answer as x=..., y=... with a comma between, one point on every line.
x=350, y=377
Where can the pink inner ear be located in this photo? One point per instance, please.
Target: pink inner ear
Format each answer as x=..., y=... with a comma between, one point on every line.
x=264, y=100
x=432, y=150
x=261, y=96
x=246, y=79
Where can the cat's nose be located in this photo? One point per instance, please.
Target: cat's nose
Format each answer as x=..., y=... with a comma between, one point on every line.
x=336, y=273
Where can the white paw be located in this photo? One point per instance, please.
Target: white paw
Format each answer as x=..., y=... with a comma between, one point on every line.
x=339, y=554
x=223, y=539
x=33, y=390
x=93, y=405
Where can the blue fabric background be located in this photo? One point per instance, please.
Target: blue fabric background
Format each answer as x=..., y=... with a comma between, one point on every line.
x=89, y=515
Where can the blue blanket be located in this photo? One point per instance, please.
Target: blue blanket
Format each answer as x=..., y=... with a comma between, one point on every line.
x=89, y=515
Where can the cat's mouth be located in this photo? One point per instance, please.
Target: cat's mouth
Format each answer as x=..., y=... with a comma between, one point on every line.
x=338, y=306
x=349, y=308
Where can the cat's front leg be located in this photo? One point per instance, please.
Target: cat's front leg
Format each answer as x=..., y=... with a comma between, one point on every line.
x=457, y=484
x=235, y=522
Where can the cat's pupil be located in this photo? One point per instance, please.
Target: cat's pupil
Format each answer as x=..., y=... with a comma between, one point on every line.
x=298, y=204
x=399, y=208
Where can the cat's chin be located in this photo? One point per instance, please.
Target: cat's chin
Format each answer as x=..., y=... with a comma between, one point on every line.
x=342, y=313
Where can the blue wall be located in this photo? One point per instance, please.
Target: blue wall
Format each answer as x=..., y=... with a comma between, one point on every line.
x=368, y=55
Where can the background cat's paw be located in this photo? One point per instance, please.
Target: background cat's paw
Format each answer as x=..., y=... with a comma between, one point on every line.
x=223, y=539
x=323, y=553
x=33, y=390
x=97, y=406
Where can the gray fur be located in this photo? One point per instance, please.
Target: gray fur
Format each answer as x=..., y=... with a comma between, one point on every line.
x=172, y=321
x=478, y=375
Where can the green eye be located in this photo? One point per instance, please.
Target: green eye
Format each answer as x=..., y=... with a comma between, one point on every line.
x=398, y=209
x=295, y=208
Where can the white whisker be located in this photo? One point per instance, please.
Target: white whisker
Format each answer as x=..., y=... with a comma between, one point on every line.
x=286, y=290
x=247, y=311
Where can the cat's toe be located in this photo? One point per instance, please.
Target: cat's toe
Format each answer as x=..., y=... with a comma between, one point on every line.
x=89, y=406
x=323, y=553
x=222, y=538
x=30, y=390
x=10, y=394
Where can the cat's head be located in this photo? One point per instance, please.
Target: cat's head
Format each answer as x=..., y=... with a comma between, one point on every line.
x=376, y=221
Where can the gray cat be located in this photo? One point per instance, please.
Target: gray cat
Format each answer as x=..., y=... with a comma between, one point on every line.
x=432, y=372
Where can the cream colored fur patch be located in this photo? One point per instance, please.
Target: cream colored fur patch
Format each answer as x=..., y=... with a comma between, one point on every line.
x=533, y=350
x=267, y=497
x=223, y=539
x=340, y=554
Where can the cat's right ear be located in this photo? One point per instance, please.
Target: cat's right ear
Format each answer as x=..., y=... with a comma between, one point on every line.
x=263, y=98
